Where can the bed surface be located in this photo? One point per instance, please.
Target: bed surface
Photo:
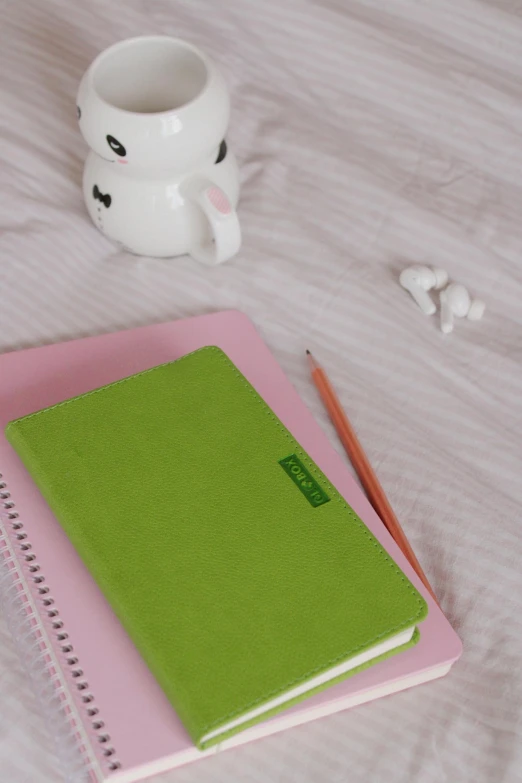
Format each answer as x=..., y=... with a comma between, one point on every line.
x=371, y=135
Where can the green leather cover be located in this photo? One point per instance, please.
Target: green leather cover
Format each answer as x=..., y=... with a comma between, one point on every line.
x=236, y=568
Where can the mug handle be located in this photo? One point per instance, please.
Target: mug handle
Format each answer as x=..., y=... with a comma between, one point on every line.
x=223, y=222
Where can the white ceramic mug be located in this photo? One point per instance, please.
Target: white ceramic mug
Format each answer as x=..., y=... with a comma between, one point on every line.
x=159, y=178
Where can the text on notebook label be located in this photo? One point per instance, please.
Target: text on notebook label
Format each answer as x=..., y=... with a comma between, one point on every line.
x=294, y=468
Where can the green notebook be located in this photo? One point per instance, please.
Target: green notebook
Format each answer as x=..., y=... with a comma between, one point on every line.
x=239, y=572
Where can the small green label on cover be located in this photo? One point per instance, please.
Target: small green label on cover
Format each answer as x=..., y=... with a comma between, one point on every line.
x=301, y=477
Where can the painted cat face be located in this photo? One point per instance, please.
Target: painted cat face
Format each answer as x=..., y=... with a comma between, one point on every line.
x=113, y=150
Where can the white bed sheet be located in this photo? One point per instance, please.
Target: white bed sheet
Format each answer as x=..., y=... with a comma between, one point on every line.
x=371, y=135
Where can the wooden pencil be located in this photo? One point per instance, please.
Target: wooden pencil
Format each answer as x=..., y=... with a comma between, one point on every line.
x=362, y=466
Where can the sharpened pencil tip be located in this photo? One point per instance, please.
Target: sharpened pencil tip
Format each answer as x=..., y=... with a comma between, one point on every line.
x=308, y=352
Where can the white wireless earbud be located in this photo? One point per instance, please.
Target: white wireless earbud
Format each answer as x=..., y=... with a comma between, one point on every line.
x=418, y=280
x=455, y=301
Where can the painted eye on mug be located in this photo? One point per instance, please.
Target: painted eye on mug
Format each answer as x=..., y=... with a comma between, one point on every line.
x=78, y=112
x=222, y=152
x=115, y=146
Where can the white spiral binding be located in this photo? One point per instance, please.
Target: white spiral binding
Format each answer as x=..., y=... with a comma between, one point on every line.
x=34, y=651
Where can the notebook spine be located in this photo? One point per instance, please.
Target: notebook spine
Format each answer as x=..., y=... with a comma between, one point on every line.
x=26, y=597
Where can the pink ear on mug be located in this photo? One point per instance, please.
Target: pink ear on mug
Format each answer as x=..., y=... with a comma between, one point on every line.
x=219, y=200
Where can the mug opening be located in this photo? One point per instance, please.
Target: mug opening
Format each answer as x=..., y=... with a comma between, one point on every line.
x=150, y=75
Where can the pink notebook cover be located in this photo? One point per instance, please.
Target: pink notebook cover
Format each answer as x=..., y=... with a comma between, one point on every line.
x=140, y=724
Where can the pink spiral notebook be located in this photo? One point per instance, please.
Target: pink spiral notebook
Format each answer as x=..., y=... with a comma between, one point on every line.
x=120, y=723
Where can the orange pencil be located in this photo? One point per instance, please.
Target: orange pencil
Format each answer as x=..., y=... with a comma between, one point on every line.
x=362, y=466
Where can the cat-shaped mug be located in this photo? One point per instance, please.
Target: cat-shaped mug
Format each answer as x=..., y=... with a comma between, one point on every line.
x=159, y=178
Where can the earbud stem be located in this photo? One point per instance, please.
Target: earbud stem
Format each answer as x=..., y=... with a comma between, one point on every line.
x=446, y=315
x=422, y=298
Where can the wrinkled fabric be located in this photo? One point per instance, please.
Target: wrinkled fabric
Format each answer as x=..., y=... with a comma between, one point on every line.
x=371, y=136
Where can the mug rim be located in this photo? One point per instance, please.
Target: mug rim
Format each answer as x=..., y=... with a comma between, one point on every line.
x=141, y=38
